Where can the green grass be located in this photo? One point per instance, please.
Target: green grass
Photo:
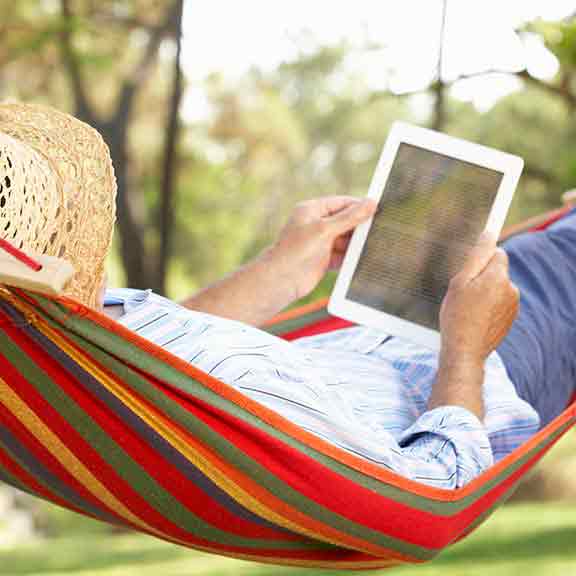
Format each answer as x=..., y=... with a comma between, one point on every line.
x=530, y=540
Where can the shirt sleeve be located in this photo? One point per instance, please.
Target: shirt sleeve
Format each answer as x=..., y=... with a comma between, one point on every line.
x=446, y=447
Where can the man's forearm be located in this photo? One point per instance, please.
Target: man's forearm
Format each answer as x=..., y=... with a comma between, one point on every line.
x=459, y=383
x=252, y=294
x=313, y=241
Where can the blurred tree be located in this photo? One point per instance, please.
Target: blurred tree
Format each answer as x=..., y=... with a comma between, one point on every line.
x=170, y=164
x=560, y=39
x=310, y=128
x=142, y=267
x=106, y=53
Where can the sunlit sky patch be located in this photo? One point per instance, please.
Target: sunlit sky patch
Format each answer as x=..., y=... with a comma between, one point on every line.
x=231, y=37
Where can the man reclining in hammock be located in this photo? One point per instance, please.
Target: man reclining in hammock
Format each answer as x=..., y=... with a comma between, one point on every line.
x=440, y=419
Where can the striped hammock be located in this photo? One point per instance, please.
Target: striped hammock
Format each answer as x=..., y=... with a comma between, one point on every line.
x=98, y=420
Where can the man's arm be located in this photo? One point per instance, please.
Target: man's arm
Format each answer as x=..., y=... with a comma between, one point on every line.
x=314, y=240
x=448, y=445
x=458, y=383
x=477, y=312
x=251, y=294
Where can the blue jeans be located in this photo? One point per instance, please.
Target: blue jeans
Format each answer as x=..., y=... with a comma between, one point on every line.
x=539, y=352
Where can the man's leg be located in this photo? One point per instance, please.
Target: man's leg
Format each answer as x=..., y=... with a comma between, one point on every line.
x=540, y=350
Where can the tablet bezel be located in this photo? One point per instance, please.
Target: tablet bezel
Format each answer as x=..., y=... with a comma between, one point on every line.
x=508, y=165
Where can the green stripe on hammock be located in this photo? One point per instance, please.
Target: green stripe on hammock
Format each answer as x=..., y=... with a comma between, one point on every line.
x=448, y=512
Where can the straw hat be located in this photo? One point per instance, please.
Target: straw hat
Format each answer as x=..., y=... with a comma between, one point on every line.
x=57, y=192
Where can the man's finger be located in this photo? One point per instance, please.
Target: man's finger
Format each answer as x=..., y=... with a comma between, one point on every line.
x=348, y=218
x=496, y=273
x=331, y=205
x=501, y=259
x=478, y=257
x=342, y=241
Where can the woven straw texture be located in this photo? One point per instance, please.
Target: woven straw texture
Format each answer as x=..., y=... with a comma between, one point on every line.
x=57, y=192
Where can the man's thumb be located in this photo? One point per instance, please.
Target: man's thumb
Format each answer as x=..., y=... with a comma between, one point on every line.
x=479, y=256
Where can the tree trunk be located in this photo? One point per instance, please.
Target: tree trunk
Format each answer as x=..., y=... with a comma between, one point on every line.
x=438, y=121
x=132, y=250
x=114, y=129
x=170, y=162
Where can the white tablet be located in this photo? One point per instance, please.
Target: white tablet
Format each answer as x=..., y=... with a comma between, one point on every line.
x=435, y=194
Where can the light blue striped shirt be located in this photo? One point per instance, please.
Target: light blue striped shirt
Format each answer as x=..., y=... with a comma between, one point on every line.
x=356, y=388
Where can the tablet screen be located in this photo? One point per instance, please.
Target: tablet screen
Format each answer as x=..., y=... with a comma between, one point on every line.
x=432, y=210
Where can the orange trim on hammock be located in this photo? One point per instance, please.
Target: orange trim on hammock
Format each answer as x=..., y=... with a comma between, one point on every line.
x=294, y=431
x=279, y=512
x=270, y=417
x=531, y=443
x=279, y=422
x=297, y=312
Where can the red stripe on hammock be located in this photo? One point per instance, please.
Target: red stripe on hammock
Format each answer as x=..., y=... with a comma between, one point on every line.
x=336, y=493
x=180, y=488
x=318, y=483
x=498, y=491
x=328, y=488
x=553, y=218
x=9, y=464
x=74, y=442
x=319, y=327
x=264, y=449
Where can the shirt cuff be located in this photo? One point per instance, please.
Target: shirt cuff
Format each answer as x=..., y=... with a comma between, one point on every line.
x=453, y=435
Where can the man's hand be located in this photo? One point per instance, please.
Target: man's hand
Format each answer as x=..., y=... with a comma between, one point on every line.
x=477, y=312
x=480, y=305
x=316, y=237
x=314, y=240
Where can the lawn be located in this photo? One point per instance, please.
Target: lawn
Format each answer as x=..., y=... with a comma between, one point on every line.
x=526, y=539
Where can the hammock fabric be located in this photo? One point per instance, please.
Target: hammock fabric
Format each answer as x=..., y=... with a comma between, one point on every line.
x=100, y=421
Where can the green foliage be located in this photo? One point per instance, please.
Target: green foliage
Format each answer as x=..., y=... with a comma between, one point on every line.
x=536, y=126
x=560, y=38
x=214, y=224
x=312, y=127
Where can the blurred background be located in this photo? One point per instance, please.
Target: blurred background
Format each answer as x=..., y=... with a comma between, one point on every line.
x=220, y=115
